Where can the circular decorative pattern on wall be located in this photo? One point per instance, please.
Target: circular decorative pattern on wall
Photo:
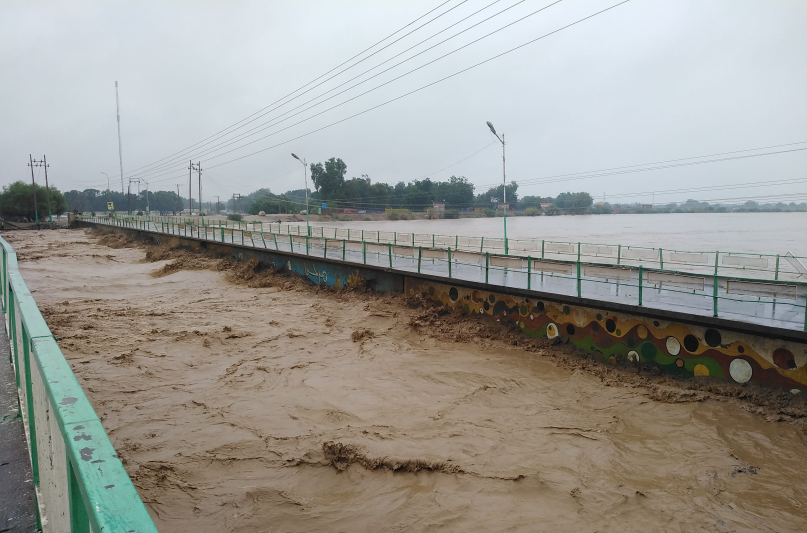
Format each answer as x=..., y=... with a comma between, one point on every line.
x=641, y=331
x=700, y=370
x=580, y=317
x=610, y=325
x=570, y=329
x=673, y=346
x=633, y=357
x=453, y=293
x=740, y=370
x=551, y=330
x=783, y=358
x=691, y=343
x=713, y=338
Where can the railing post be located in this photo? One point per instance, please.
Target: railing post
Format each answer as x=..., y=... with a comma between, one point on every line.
x=274, y=236
x=487, y=265
x=529, y=272
x=714, y=313
x=363, y=249
x=661, y=259
x=482, y=245
x=420, y=254
x=449, y=261
x=306, y=245
x=79, y=519
x=432, y=240
x=776, y=274
x=325, y=252
x=29, y=396
x=542, y=248
x=640, y=284
x=389, y=249
x=344, y=242
x=578, y=277
x=618, y=254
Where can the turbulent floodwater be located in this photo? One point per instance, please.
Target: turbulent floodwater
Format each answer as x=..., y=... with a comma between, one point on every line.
x=768, y=233
x=281, y=408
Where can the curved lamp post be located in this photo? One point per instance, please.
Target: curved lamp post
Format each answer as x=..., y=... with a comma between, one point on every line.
x=504, y=183
x=305, y=176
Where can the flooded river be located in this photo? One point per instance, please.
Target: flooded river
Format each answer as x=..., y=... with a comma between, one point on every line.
x=764, y=233
x=261, y=404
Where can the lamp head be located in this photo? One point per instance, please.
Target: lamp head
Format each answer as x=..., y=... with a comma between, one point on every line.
x=295, y=157
x=491, y=127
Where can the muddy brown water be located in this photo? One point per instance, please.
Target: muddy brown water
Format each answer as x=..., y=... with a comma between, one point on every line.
x=253, y=409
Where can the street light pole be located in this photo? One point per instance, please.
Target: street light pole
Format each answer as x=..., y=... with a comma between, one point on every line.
x=305, y=176
x=107, y=179
x=504, y=184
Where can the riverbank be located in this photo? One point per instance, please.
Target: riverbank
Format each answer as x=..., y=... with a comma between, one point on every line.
x=240, y=398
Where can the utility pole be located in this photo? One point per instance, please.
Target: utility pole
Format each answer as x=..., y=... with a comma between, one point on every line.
x=191, y=168
x=120, y=146
x=33, y=182
x=217, y=205
x=237, y=196
x=180, y=199
x=133, y=180
x=44, y=163
x=199, y=169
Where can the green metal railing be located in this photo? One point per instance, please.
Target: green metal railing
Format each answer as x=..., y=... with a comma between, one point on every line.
x=443, y=253
x=80, y=482
x=773, y=267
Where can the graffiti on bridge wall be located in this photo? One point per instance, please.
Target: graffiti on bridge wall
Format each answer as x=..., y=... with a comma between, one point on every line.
x=679, y=349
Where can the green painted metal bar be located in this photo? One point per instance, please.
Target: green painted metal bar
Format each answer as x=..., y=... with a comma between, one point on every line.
x=79, y=518
x=529, y=272
x=306, y=245
x=543, y=242
x=776, y=274
x=579, y=288
x=449, y=261
x=29, y=396
x=619, y=255
x=344, y=243
x=714, y=311
x=487, y=265
x=363, y=250
x=640, y=284
x=420, y=255
x=482, y=245
x=389, y=249
x=661, y=259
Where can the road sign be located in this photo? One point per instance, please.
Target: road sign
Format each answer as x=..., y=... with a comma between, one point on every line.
x=110, y=206
x=324, y=206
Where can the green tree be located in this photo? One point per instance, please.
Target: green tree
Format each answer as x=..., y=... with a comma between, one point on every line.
x=329, y=178
x=574, y=201
x=17, y=200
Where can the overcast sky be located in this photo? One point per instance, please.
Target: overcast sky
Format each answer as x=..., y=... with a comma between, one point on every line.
x=648, y=81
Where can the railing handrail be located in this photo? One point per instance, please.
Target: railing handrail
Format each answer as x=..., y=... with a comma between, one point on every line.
x=95, y=489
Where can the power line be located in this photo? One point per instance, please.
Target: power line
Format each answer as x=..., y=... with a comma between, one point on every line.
x=574, y=177
x=350, y=117
x=319, y=77
x=277, y=120
x=409, y=93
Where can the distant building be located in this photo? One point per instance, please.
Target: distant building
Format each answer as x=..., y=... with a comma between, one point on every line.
x=503, y=205
x=544, y=205
x=440, y=206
